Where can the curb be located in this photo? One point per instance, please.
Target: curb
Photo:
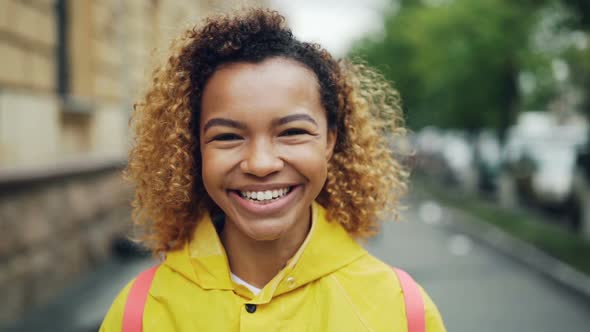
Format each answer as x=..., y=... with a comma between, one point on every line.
x=520, y=250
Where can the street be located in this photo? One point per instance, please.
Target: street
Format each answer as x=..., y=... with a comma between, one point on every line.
x=475, y=287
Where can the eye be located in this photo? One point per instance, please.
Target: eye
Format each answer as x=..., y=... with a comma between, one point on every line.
x=294, y=132
x=226, y=137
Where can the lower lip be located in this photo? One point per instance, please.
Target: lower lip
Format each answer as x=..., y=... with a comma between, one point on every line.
x=266, y=208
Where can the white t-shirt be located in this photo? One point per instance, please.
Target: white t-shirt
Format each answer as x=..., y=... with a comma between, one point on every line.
x=255, y=290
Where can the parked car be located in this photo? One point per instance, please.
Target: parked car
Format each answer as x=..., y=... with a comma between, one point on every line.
x=487, y=156
x=540, y=163
x=581, y=191
x=429, y=161
x=446, y=155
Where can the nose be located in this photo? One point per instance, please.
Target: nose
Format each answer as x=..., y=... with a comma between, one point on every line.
x=261, y=159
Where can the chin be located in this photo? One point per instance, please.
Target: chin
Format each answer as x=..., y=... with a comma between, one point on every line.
x=266, y=230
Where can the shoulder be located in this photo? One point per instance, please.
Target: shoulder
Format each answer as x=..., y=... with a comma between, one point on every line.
x=114, y=317
x=373, y=283
x=371, y=279
x=113, y=320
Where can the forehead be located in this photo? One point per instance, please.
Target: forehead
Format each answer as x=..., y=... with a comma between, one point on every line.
x=273, y=85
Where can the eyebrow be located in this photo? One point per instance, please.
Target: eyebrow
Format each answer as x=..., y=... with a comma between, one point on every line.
x=239, y=125
x=223, y=122
x=294, y=117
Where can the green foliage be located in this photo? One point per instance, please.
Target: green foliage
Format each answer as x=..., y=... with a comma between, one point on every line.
x=579, y=61
x=457, y=63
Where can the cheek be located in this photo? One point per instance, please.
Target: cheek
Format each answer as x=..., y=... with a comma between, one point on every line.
x=309, y=159
x=206, y=176
x=213, y=167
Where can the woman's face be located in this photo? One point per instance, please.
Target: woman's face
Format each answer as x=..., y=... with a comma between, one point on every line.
x=265, y=145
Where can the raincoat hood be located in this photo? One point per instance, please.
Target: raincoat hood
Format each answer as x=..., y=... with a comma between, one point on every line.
x=327, y=248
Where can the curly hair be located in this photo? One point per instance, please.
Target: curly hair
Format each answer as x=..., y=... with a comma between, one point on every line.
x=364, y=178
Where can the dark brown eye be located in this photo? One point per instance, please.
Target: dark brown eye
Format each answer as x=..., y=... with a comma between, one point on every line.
x=226, y=137
x=294, y=132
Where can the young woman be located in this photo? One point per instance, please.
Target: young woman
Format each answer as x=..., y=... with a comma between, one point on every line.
x=258, y=160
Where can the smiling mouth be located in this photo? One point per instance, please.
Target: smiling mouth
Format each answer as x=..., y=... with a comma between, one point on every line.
x=265, y=196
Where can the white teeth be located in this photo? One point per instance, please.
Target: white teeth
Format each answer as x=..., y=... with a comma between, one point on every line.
x=264, y=195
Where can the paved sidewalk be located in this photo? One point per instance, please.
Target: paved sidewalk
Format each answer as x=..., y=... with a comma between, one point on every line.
x=476, y=287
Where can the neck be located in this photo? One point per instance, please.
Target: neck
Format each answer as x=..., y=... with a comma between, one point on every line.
x=257, y=262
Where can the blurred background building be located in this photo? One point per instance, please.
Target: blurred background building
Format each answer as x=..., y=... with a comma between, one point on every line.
x=69, y=73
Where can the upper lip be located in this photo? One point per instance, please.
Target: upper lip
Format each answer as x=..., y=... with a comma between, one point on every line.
x=264, y=187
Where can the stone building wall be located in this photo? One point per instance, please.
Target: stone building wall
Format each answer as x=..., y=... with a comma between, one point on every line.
x=54, y=229
x=28, y=43
x=67, y=94
x=28, y=107
x=69, y=73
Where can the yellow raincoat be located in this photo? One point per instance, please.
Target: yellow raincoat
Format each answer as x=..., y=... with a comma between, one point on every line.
x=330, y=284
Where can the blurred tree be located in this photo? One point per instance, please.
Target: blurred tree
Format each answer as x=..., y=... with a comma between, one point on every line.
x=462, y=63
x=580, y=58
x=456, y=63
x=582, y=10
x=560, y=57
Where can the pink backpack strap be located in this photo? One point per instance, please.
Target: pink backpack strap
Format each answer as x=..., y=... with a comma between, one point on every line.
x=413, y=301
x=133, y=314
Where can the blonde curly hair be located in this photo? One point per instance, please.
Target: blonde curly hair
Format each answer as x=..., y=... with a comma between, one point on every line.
x=364, y=178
